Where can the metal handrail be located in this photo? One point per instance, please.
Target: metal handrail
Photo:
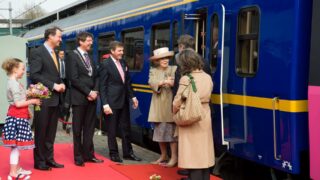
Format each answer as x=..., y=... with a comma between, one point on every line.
x=275, y=149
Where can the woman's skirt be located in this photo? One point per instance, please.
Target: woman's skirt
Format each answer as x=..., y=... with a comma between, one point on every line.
x=164, y=132
x=17, y=133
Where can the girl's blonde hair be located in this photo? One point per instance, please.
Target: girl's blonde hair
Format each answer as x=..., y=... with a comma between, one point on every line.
x=11, y=63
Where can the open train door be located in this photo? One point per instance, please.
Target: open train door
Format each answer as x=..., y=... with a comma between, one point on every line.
x=314, y=94
x=10, y=46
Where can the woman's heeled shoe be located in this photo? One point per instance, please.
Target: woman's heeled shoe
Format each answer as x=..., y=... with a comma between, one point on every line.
x=171, y=164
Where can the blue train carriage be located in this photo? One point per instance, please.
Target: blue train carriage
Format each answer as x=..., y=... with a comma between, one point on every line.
x=261, y=81
x=256, y=49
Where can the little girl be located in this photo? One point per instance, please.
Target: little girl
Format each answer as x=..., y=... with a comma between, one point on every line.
x=16, y=131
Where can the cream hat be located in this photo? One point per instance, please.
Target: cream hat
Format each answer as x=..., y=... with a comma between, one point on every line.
x=161, y=53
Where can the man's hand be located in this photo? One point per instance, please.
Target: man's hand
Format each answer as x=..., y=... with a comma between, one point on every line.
x=93, y=95
x=107, y=110
x=135, y=103
x=59, y=87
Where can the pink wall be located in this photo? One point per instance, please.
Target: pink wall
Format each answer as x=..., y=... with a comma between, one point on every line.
x=314, y=131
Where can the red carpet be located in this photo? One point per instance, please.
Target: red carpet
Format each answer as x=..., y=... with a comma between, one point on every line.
x=144, y=171
x=63, y=154
x=107, y=170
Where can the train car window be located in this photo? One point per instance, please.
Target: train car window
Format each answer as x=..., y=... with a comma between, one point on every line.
x=71, y=45
x=214, y=41
x=247, y=42
x=133, y=46
x=160, y=36
x=200, y=31
x=175, y=36
x=103, y=44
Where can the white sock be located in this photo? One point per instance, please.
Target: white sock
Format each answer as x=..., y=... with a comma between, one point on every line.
x=14, y=156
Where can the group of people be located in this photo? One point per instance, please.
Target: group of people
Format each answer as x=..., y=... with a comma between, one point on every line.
x=191, y=146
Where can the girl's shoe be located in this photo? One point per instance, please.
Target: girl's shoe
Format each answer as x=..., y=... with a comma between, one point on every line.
x=19, y=177
x=23, y=171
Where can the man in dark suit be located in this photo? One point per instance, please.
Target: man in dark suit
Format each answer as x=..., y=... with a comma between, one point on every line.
x=44, y=68
x=116, y=93
x=84, y=92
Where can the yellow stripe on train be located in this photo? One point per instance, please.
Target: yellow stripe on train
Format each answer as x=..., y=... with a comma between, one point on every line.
x=293, y=106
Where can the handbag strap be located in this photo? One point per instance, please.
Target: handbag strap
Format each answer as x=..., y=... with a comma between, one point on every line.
x=193, y=84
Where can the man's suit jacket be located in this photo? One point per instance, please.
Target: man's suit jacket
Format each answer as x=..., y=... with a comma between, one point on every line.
x=177, y=76
x=43, y=70
x=80, y=82
x=112, y=89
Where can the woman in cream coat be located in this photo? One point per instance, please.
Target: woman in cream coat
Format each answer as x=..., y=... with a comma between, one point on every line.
x=196, y=151
x=161, y=81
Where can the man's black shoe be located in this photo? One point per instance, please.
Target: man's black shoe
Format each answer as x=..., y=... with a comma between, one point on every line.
x=79, y=163
x=183, y=172
x=115, y=158
x=42, y=168
x=53, y=164
x=95, y=160
x=132, y=157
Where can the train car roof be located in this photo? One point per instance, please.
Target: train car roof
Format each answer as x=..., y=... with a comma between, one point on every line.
x=106, y=13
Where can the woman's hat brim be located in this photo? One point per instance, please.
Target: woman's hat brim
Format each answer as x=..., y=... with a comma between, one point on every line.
x=163, y=55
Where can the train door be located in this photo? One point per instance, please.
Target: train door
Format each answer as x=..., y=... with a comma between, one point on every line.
x=238, y=68
x=219, y=45
x=234, y=62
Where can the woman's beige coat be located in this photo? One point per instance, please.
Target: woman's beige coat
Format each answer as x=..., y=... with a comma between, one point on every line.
x=161, y=102
x=196, y=149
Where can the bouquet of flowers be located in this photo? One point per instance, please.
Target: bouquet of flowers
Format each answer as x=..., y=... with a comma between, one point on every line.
x=38, y=91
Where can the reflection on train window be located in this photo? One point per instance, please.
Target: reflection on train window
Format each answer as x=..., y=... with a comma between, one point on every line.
x=103, y=44
x=160, y=36
x=214, y=42
x=133, y=46
x=71, y=45
x=175, y=36
x=247, y=42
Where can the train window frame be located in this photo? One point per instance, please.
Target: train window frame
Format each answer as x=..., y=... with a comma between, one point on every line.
x=153, y=27
x=252, y=65
x=135, y=29
x=101, y=35
x=214, y=60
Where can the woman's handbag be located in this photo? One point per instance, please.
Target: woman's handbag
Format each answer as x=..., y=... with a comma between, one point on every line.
x=191, y=108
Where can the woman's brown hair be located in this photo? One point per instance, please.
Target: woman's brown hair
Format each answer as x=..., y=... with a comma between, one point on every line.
x=189, y=60
x=9, y=64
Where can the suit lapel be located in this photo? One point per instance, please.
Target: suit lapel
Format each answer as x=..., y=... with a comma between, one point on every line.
x=50, y=59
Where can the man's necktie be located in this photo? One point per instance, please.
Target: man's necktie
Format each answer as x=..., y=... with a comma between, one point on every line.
x=87, y=63
x=54, y=57
x=87, y=60
x=120, y=69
